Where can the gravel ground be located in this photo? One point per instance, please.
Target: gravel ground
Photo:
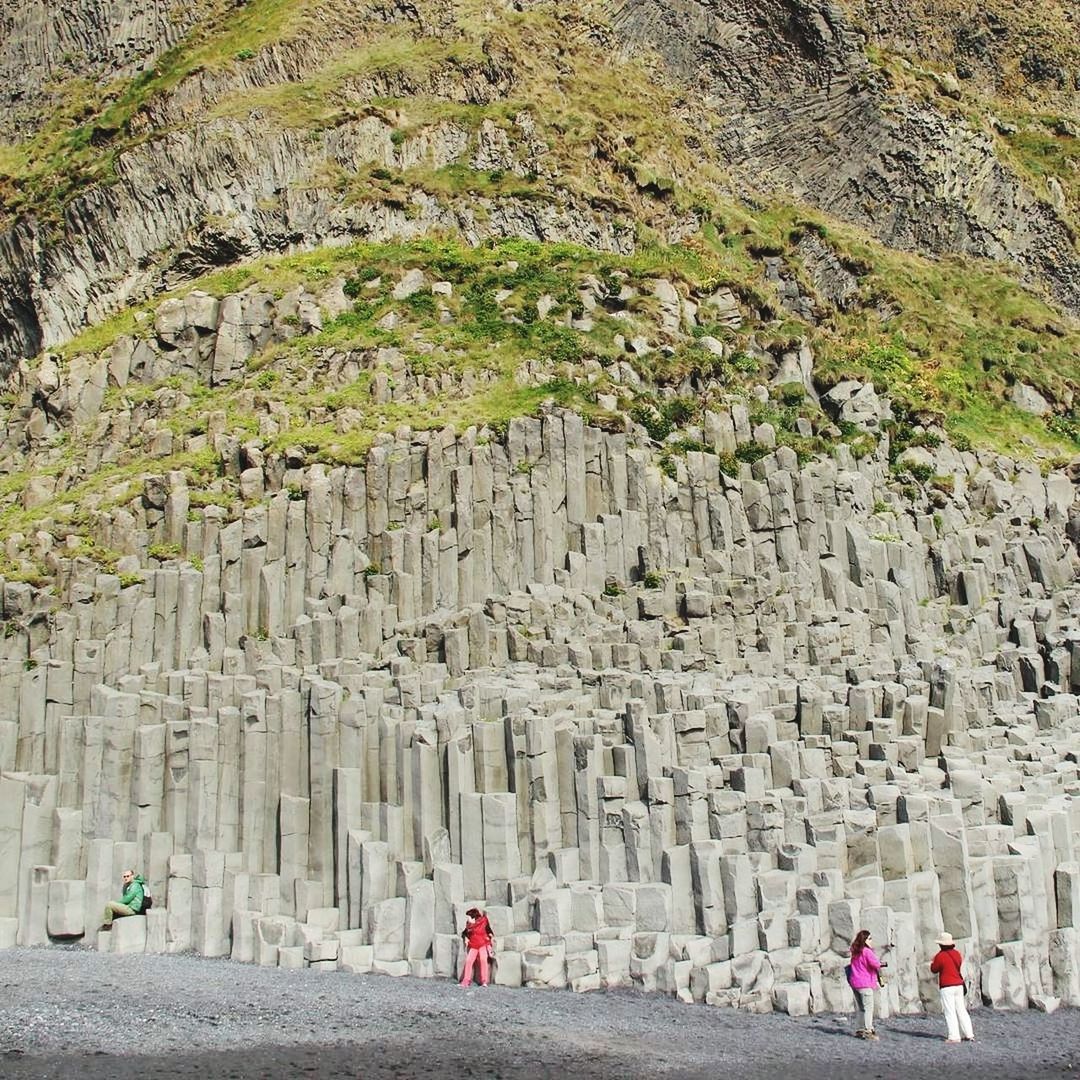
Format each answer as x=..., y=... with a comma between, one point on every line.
x=74, y=1013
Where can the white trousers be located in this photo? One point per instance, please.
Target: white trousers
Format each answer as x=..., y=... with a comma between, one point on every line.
x=954, y=1007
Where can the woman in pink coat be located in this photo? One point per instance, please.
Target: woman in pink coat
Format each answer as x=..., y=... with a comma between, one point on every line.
x=864, y=976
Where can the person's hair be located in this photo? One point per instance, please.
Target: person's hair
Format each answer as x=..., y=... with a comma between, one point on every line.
x=861, y=938
x=128, y=871
x=951, y=945
x=473, y=913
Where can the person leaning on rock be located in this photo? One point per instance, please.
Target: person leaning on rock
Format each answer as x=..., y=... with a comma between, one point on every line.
x=479, y=944
x=131, y=903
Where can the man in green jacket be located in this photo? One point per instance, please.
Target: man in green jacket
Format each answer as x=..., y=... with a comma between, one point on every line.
x=131, y=903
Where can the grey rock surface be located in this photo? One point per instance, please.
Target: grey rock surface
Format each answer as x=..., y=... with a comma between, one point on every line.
x=915, y=176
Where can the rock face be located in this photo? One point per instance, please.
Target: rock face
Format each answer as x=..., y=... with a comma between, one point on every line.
x=826, y=132
x=686, y=733
x=1029, y=399
x=100, y=39
x=779, y=93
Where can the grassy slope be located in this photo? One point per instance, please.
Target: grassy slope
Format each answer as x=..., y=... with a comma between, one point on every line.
x=91, y=123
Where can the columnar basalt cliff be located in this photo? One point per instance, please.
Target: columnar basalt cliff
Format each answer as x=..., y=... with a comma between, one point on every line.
x=689, y=580
x=677, y=728
x=102, y=39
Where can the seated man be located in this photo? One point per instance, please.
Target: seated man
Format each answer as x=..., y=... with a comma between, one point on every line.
x=131, y=903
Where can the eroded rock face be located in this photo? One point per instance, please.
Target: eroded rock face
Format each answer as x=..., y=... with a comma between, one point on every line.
x=799, y=110
x=794, y=109
x=44, y=42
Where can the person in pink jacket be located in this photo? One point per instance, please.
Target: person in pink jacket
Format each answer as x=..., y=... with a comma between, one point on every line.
x=864, y=977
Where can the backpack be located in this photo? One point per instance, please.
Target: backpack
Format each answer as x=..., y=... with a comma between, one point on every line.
x=147, y=899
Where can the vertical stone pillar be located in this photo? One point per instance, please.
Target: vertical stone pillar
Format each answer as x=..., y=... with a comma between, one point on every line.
x=202, y=788
x=67, y=844
x=460, y=780
x=294, y=824
x=588, y=757
x=229, y=759
x=543, y=815
x=375, y=886
x=166, y=590
x=12, y=796
x=148, y=779
x=208, y=903
x=39, y=803
x=348, y=793
x=427, y=791
x=472, y=845
x=30, y=755
x=35, y=931
x=323, y=708
x=294, y=746
x=489, y=755
x=177, y=768
x=502, y=859
x=69, y=762
x=102, y=881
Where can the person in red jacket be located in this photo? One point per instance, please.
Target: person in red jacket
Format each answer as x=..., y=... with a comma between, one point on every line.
x=479, y=942
x=951, y=985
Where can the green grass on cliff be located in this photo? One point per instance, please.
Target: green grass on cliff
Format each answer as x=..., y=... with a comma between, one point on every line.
x=539, y=267
x=328, y=95
x=607, y=126
x=90, y=122
x=1046, y=146
x=955, y=334
x=946, y=338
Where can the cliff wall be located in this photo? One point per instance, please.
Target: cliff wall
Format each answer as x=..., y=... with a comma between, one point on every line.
x=687, y=733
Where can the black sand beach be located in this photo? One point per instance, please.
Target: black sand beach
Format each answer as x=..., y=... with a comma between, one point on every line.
x=73, y=1013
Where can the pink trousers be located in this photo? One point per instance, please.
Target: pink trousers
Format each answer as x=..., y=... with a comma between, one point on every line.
x=470, y=960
